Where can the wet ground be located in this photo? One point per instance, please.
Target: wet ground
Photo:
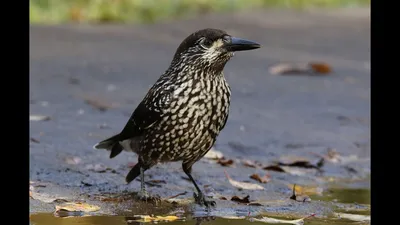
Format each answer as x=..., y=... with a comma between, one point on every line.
x=88, y=78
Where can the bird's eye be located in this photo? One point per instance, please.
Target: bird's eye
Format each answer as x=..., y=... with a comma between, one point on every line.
x=205, y=43
x=226, y=39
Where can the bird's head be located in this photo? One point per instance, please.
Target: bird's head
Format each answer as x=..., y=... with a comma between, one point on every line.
x=210, y=49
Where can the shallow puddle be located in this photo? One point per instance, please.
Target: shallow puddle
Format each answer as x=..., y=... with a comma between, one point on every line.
x=360, y=196
x=49, y=219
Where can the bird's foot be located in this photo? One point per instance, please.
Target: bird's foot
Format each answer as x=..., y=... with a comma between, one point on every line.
x=143, y=195
x=201, y=200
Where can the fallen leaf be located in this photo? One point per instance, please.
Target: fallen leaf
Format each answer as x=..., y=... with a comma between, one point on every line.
x=306, y=190
x=243, y=185
x=263, y=179
x=39, y=118
x=100, y=105
x=213, y=154
x=299, y=198
x=241, y=200
x=312, y=68
x=249, y=163
x=30, y=194
x=74, y=209
x=320, y=67
x=354, y=217
x=100, y=168
x=174, y=196
x=73, y=160
x=223, y=198
x=274, y=168
x=255, y=204
x=273, y=220
x=295, y=161
x=34, y=140
x=147, y=218
x=225, y=162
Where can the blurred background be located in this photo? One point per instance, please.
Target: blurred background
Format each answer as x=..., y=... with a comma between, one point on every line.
x=150, y=11
x=300, y=111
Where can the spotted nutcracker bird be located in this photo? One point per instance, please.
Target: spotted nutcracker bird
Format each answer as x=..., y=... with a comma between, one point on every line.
x=184, y=111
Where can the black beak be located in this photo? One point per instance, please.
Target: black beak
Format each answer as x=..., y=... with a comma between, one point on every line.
x=238, y=44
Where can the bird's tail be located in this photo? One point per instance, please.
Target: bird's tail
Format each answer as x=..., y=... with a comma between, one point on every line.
x=112, y=144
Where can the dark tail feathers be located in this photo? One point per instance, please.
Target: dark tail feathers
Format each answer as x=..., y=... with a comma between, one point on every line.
x=135, y=171
x=112, y=144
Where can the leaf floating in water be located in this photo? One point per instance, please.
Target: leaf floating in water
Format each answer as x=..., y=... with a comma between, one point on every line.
x=263, y=179
x=276, y=221
x=243, y=185
x=39, y=118
x=74, y=209
x=147, y=218
x=225, y=162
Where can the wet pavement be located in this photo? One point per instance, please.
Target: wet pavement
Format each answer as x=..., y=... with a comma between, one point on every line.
x=111, y=67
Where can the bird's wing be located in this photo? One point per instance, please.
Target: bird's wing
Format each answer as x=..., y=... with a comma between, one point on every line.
x=148, y=113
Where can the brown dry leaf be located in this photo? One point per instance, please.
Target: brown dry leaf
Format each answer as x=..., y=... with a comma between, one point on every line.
x=263, y=179
x=30, y=194
x=223, y=198
x=312, y=68
x=274, y=168
x=225, y=162
x=273, y=220
x=299, y=198
x=68, y=209
x=174, y=196
x=147, y=218
x=243, y=185
x=241, y=200
x=320, y=67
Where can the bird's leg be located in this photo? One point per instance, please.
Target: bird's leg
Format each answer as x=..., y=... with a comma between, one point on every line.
x=199, y=197
x=142, y=194
x=137, y=170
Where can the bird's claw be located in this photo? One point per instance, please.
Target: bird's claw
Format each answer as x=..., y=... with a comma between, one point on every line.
x=201, y=200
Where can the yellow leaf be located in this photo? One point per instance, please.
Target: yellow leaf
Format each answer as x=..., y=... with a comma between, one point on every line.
x=306, y=190
x=147, y=218
x=77, y=207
